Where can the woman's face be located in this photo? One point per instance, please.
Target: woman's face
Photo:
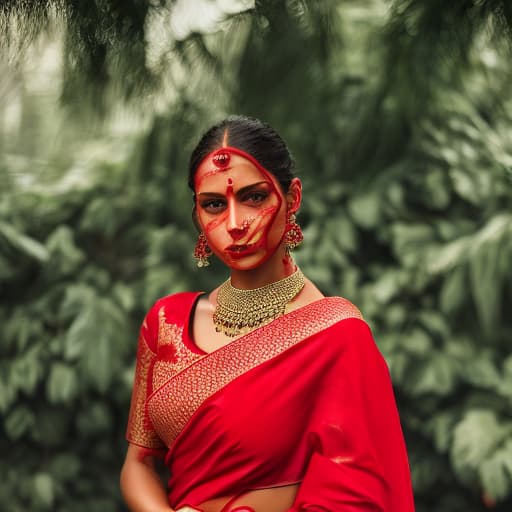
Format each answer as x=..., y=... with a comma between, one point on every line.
x=241, y=210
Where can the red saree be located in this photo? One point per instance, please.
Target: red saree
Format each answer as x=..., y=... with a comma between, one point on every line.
x=306, y=399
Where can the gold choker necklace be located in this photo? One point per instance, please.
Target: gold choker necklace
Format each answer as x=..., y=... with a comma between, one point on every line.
x=239, y=311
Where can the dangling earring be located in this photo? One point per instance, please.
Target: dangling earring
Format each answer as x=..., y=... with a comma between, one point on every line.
x=201, y=251
x=293, y=236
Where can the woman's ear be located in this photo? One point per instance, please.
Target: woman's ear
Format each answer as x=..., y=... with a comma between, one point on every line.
x=294, y=196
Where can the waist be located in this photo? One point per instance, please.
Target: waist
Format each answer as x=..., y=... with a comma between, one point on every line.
x=271, y=499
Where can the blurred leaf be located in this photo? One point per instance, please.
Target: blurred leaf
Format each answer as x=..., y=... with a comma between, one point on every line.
x=436, y=374
x=97, y=338
x=27, y=370
x=475, y=438
x=66, y=257
x=365, y=209
x=504, y=386
x=44, y=493
x=52, y=425
x=410, y=242
x=82, y=330
x=444, y=258
x=94, y=419
x=454, y=291
x=388, y=285
x=441, y=426
x=481, y=371
x=77, y=295
x=417, y=342
x=465, y=186
x=437, y=194
x=19, y=422
x=65, y=467
x=62, y=384
x=98, y=363
x=496, y=472
x=7, y=269
x=426, y=470
x=398, y=363
x=102, y=215
x=7, y=395
x=343, y=233
x=486, y=285
x=23, y=243
x=434, y=323
x=161, y=281
x=125, y=296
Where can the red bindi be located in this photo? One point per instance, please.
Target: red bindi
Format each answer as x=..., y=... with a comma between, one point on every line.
x=229, y=189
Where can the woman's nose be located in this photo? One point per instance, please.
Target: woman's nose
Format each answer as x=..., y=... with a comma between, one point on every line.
x=237, y=228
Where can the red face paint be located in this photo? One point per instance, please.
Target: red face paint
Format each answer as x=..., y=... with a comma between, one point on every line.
x=240, y=207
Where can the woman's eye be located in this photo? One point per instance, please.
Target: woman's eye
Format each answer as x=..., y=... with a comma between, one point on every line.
x=213, y=205
x=255, y=197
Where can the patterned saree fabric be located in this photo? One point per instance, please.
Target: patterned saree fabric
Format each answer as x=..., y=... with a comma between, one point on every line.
x=304, y=400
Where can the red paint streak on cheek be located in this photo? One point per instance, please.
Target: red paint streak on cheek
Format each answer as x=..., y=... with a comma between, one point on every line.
x=269, y=210
x=275, y=191
x=263, y=222
x=210, y=226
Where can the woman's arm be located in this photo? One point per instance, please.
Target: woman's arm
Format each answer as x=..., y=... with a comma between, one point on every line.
x=141, y=486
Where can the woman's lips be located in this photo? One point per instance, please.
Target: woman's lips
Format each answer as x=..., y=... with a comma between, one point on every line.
x=240, y=251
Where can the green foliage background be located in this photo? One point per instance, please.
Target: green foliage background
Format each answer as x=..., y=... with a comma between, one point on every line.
x=399, y=115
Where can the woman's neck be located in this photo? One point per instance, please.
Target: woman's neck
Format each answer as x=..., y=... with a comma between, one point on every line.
x=277, y=267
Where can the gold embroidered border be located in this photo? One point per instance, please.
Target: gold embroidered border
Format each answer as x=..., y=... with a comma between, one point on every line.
x=172, y=406
x=136, y=431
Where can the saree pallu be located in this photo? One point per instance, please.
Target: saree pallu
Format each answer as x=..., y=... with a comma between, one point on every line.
x=306, y=400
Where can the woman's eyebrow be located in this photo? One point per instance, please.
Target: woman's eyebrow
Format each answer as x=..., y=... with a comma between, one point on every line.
x=247, y=188
x=210, y=194
x=240, y=191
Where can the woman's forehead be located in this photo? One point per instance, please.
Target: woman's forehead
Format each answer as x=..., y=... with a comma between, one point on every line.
x=240, y=171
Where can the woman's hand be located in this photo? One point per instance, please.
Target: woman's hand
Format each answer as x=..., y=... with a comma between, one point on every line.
x=142, y=488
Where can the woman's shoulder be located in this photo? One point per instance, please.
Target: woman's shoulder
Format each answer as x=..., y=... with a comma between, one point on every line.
x=324, y=310
x=171, y=310
x=349, y=327
x=342, y=308
x=174, y=307
x=176, y=300
x=334, y=316
x=333, y=307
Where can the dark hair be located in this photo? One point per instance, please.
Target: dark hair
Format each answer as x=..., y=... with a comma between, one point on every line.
x=253, y=136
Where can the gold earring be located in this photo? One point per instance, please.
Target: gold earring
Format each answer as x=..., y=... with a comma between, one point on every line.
x=202, y=251
x=293, y=236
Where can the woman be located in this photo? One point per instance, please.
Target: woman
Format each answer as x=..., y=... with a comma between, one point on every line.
x=263, y=395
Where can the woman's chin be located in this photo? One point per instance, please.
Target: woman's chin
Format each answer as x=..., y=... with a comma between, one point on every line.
x=248, y=262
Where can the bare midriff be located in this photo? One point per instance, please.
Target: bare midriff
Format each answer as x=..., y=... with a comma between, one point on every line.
x=272, y=499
